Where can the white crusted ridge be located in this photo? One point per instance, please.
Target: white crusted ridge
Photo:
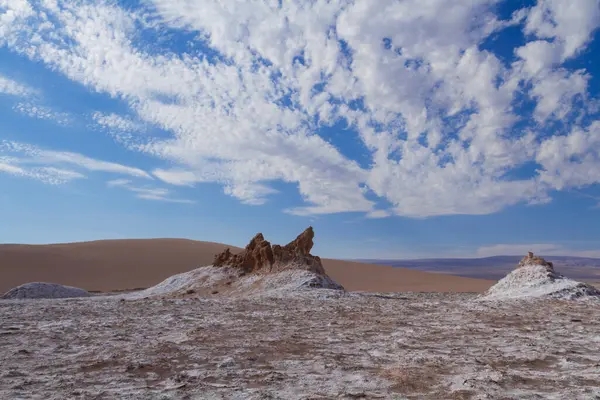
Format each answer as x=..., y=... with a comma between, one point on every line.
x=289, y=281
x=199, y=278
x=43, y=290
x=539, y=281
x=233, y=281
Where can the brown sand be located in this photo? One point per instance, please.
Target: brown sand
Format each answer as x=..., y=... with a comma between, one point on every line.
x=109, y=265
x=382, y=278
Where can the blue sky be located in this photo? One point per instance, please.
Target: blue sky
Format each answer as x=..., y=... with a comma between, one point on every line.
x=397, y=129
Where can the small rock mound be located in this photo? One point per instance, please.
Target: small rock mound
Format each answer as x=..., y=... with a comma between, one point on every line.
x=530, y=259
x=536, y=278
x=260, y=256
x=42, y=290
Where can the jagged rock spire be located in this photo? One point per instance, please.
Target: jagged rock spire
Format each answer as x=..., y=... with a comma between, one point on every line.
x=259, y=255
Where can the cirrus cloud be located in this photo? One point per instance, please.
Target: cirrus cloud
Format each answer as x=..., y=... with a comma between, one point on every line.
x=26, y=155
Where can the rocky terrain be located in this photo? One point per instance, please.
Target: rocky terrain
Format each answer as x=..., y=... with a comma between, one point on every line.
x=319, y=344
x=276, y=336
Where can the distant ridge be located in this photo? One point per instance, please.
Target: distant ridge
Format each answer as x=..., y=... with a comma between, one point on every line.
x=495, y=267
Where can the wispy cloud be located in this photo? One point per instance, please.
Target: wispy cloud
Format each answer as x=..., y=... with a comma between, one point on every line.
x=176, y=177
x=437, y=114
x=38, y=111
x=375, y=214
x=147, y=193
x=49, y=175
x=26, y=158
x=11, y=87
x=117, y=122
x=29, y=102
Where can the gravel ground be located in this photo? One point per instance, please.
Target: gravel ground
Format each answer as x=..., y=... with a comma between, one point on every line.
x=317, y=344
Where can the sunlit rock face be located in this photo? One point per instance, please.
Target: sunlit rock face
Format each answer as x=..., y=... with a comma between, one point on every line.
x=260, y=256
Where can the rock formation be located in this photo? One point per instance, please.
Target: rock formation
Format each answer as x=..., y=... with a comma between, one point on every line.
x=535, y=277
x=260, y=256
x=260, y=269
x=530, y=259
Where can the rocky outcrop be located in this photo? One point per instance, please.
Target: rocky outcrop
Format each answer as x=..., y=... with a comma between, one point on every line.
x=260, y=256
x=530, y=259
x=260, y=269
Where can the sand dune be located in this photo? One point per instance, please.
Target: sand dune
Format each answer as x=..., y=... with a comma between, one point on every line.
x=381, y=278
x=108, y=265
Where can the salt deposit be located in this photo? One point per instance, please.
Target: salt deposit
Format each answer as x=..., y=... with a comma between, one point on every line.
x=232, y=281
x=42, y=290
x=298, y=346
x=535, y=278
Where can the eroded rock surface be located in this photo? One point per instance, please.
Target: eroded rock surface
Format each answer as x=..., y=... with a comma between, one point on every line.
x=261, y=269
x=260, y=256
x=530, y=259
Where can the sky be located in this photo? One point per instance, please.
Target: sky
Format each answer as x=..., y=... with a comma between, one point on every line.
x=397, y=129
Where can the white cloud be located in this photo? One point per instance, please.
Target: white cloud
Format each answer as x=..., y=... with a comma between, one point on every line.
x=30, y=108
x=10, y=169
x=435, y=113
x=42, y=112
x=572, y=160
x=32, y=155
x=61, y=174
x=252, y=194
x=49, y=175
x=147, y=193
x=8, y=86
x=176, y=177
x=91, y=164
x=118, y=182
x=571, y=23
x=378, y=214
x=117, y=122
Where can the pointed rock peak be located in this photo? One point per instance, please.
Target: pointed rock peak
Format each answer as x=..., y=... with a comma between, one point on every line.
x=303, y=244
x=531, y=259
x=257, y=240
x=259, y=255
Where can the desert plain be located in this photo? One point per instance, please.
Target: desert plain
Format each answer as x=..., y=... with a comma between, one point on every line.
x=392, y=333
